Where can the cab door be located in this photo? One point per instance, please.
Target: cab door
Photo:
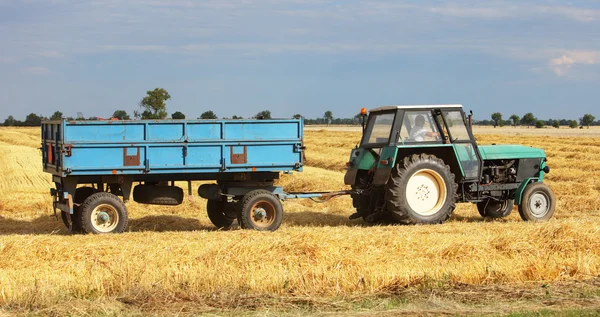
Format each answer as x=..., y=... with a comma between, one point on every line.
x=463, y=142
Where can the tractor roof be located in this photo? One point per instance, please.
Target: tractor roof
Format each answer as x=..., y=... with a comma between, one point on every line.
x=416, y=107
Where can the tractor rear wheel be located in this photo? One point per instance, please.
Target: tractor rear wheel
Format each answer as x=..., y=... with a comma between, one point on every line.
x=491, y=208
x=220, y=213
x=537, y=202
x=421, y=190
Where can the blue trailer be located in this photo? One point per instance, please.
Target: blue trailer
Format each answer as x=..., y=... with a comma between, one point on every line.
x=96, y=163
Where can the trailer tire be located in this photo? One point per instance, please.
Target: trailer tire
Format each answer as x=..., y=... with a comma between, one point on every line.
x=220, y=213
x=423, y=205
x=158, y=195
x=103, y=213
x=81, y=194
x=493, y=209
x=260, y=210
x=538, y=202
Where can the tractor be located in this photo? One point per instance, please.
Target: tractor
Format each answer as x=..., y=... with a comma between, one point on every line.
x=414, y=163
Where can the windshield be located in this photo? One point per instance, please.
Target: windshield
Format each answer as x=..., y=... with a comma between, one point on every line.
x=379, y=128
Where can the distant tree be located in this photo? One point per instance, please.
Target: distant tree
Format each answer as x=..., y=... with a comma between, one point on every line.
x=515, y=120
x=33, y=120
x=297, y=116
x=556, y=124
x=236, y=117
x=496, y=118
x=208, y=115
x=154, y=103
x=10, y=121
x=92, y=118
x=121, y=115
x=265, y=114
x=328, y=116
x=587, y=120
x=57, y=115
x=573, y=124
x=178, y=115
x=539, y=124
x=529, y=119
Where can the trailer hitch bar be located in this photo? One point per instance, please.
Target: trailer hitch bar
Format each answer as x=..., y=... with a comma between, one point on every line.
x=319, y=197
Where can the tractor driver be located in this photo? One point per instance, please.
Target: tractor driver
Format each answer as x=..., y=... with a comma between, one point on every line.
x=418, y=131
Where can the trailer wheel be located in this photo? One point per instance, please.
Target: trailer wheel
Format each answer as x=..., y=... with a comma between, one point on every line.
x=220, y=213
x=537, y=202
x=81, y=194
x=103, y=213
x=421, y=190
x=491, y=208
x=158, y=195
x=260, y=210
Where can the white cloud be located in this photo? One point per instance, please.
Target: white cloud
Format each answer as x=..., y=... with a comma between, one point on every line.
x=134, y=48
x=569, y=58
x=7, y=60
x=36, y=70
x=51, y=54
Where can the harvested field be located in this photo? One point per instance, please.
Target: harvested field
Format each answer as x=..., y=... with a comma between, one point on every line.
x=173, y=261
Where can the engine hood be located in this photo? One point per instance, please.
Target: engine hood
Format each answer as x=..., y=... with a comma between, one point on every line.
x=505, y=152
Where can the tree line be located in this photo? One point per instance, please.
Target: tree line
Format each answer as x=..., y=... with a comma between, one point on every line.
x=153, y=106
x=530, y=120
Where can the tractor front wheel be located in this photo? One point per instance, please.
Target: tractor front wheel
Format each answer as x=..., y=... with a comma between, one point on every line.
x=491, y=208
x=537, y=202
x=421, y=190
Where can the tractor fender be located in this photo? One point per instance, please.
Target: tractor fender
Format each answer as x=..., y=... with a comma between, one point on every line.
x=519, y=192
x=387, y=160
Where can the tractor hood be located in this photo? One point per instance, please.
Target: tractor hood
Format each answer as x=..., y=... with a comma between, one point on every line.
x=506, y=152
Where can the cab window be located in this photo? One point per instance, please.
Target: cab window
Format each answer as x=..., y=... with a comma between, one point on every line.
x=379, y=128
x=456, y=125
x=418, y=126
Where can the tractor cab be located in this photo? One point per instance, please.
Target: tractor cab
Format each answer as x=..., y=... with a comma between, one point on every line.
x=393, y=131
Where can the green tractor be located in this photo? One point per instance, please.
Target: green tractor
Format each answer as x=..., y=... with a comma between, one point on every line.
x=414, y=163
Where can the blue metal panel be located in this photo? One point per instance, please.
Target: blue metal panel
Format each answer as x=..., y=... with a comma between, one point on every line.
x=167, y=132
x=204, y=131
x=104, y=133
x=171, y=146
x=261, y=130
x=204, y=156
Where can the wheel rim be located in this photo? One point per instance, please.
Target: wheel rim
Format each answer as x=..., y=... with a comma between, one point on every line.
x=426, y=192
x=538, y=204
x=105, y=218
x=262, y=214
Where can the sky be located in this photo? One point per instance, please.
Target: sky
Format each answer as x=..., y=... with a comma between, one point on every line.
x=238, y=57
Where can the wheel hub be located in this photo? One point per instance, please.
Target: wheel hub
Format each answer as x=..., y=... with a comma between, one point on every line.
x=103, y=217
x=538, y=204
x=422, y=192
x=260, y=213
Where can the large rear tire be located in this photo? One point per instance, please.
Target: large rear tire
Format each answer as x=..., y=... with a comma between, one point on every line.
x=260, y=210
x=421, y=190
x=538, y=202
x=491, y=208
x=220, y=213
x=103, y=213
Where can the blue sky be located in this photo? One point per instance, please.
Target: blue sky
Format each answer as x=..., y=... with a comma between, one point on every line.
x=300, y=56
